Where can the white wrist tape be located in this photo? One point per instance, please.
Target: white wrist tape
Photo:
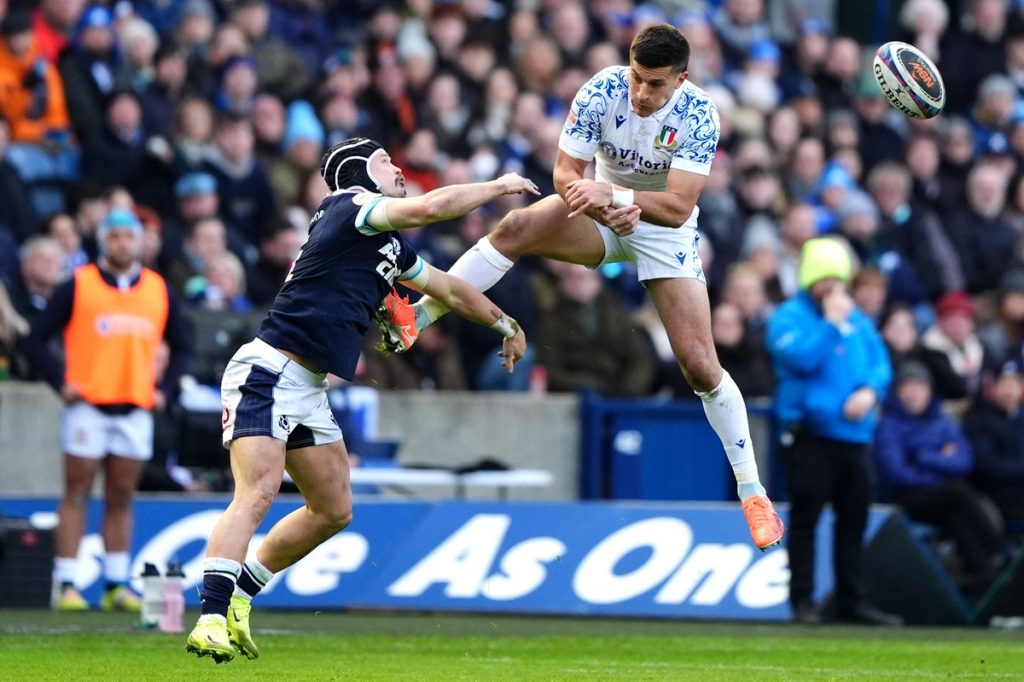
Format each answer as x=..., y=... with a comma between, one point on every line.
x=506, y=326
x=621, y=197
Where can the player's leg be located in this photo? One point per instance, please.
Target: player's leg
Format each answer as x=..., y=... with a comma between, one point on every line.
x=257, y=465
x=130, y=440
x=321, y=473
x=541, y=229
x=82, y=436
x=79, y=474
x=682, y=304
x=121, y=477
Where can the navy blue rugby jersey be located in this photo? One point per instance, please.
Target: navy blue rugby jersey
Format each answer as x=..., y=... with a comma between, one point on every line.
x=343, y=272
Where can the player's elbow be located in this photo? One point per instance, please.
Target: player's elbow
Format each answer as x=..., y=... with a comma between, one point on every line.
x=680, y=212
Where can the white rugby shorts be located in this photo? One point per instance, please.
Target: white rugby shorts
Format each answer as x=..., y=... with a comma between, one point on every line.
x=89, y=433
x=266, y=393
x=659, y=252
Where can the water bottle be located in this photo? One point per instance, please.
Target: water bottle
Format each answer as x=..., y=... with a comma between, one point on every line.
x=152, y=597
x=173, y=617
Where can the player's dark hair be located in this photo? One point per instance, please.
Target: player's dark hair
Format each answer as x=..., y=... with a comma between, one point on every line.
x=661, y=45
x=347, y=164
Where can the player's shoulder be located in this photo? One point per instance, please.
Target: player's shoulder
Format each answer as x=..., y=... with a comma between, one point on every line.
x=609, y=82
x=694, y=100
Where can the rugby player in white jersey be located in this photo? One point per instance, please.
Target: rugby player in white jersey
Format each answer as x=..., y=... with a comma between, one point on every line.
x=652, y=135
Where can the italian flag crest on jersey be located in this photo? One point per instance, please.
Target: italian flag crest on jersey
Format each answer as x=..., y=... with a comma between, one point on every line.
x=667, y=138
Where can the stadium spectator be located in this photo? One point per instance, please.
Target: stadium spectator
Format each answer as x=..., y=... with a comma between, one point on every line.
x=87, y=71
x=223, y=288
x=1003, y=337
x=278, y=249
x=741, y=352
x=586, y=340
x=42, y=267
x=62, y=227
x=245, y=195
x=163, y=95
x=832, y=371
x=205, y=239
x=281, y=71
x=137, y=46
x=925, y=460
x=953, y=334
x=869, y=289
x=301, y=148
x=113, y=316
x=900, y=332
x=269, y=121
x=917, y=255
x=17, y=215
x=118, y=155
x=994, y=425
x=53, y=22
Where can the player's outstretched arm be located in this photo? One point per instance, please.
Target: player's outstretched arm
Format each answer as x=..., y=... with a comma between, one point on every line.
x=461, y=297
x=445, y=203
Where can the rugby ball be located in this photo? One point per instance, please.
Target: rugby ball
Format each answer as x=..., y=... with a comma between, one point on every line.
x=909, y=80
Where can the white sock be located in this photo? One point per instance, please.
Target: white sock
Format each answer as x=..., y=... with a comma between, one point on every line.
x=727, y=414
x=226, y=567
x=483, y=266
x=115, y=567
x=66, y=569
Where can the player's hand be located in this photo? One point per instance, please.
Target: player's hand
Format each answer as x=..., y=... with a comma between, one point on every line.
x=837, y=304
x=512, y=350
x=859, y=403
x=513, y=183
x=70, y=394
x=622, y=221
x=585, y=194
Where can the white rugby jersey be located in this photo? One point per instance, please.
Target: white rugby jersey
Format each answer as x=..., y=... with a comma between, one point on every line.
x=637, y=152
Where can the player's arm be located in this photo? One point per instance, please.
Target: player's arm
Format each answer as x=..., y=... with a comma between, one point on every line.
x=569, y=172
x=460, y=296
x=669, y=208
x=443, y=203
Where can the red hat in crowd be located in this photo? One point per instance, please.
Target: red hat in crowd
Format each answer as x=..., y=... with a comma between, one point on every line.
x=955, y=303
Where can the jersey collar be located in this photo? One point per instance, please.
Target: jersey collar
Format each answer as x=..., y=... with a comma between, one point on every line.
x=660, y=114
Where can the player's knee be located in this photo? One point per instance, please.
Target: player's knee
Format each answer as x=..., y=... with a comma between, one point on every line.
x=700, y=368
x=336, y=520
x=514, y=233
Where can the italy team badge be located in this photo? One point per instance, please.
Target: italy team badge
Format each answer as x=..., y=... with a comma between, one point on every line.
x=667, y=139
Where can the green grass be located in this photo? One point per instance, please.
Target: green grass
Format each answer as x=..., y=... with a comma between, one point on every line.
x=40, y=645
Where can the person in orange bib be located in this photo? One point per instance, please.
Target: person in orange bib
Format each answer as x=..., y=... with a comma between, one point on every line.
x=115, y=315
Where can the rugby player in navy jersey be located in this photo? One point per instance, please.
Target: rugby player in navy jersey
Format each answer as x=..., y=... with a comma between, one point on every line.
x=274, y=390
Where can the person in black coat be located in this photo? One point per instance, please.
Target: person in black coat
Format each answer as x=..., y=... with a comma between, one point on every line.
x=900, y=333
x=87, y=68
x=995, y=427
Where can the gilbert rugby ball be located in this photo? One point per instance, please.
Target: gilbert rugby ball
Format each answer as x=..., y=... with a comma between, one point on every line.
x=909, y=80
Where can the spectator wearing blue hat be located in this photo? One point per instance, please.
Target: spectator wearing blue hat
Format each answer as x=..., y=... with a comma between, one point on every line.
x=87, y=69
x=302, y=146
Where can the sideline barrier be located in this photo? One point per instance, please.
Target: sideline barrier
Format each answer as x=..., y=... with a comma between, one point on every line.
x=692, y=560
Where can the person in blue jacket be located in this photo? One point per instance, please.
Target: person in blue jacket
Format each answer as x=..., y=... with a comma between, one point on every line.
x=832, y=369
x=925, y=459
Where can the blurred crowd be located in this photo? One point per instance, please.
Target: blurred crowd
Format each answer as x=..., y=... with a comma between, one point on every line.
x=208, y=119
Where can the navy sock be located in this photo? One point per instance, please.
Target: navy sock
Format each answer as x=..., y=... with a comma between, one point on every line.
x=216, y=593
x=248, y=583
x=113, y=584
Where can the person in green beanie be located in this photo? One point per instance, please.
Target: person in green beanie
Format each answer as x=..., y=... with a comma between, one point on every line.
x=832, y=369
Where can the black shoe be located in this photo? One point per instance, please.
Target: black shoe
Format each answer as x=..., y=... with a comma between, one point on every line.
x=805, y=613
x=869, y=615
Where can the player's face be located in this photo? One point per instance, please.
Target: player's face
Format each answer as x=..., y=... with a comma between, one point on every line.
x=650, y=89
x=392, y=182
x=122, y=248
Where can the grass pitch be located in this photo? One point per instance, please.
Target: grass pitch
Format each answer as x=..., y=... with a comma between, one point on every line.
x=41, y=645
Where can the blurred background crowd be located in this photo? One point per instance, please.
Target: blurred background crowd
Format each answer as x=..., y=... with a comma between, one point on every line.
x=208, y=119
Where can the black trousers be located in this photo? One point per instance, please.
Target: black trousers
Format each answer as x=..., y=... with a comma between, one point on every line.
x=957, y=507
x=820, y=470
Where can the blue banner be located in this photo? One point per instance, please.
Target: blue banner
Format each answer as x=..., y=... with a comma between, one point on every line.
x=690, y=560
